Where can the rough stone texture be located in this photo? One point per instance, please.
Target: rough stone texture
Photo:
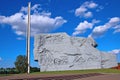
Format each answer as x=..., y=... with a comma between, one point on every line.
x=108, y=60
x=55, y=52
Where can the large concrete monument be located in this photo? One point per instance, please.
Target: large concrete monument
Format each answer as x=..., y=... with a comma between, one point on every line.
x=56, y=52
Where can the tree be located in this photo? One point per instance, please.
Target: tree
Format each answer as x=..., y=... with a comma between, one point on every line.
x=35, y=69
x=21, y=63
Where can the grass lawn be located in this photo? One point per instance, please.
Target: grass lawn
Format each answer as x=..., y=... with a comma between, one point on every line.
x=70, y=72
x=80, y=71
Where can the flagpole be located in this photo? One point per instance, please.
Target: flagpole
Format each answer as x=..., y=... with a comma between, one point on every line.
x=28, y=39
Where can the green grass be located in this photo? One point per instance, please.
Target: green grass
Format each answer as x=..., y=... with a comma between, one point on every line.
x=70, y=72
x=80, y=71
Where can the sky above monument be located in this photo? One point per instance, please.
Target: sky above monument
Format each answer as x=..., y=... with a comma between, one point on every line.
x=99, y=19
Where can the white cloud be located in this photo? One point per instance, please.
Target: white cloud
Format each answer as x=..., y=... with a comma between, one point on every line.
x=113, y=23
x=117, y=30
x=36, y=6
x=34, y=9
x=88, y=14
x=41, y=21
x=80, y=11
x=94, y=21
x=114, y=20
x=81, y=28
x=115, y=51
x=43, y=24
x=91, y=5
x=84, y=9
x=24, y=9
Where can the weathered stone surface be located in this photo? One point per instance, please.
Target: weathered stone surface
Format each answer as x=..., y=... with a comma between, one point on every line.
x=59, y=51
x=108, y=60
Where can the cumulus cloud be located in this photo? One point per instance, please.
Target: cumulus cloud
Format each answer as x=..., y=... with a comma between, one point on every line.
x=117, y=30
x=83, y=26
x=34, y=9
x=84, y=9
x=115, y=51
x=41, y=21
x=113, y=23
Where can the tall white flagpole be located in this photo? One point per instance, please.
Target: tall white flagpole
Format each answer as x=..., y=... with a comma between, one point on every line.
x=28, y=39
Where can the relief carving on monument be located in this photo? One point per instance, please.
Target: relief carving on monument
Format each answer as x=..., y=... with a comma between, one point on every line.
x=59, y=51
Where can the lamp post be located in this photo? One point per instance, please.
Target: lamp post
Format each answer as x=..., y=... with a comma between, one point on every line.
x=28, y=40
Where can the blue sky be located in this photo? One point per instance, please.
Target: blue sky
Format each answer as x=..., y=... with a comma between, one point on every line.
x=83, y=18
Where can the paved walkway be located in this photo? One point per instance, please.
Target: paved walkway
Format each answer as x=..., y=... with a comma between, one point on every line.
x=90, y=76
x=103, y=77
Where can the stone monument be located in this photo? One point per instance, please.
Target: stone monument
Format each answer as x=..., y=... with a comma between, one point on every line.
x=59, y=51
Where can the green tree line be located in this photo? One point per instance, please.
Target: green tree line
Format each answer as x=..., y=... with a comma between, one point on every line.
x=20, y=66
